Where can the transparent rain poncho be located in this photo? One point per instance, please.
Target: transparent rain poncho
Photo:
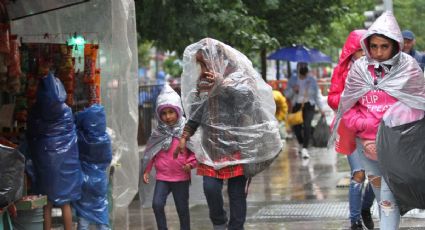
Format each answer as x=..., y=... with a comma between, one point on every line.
x=235, y=110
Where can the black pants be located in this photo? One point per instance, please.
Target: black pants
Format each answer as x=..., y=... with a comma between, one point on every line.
x=303, y=131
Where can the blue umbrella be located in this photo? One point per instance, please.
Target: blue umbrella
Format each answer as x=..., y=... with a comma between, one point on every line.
x=320, y=57
x=300, y=53
x=297, y=53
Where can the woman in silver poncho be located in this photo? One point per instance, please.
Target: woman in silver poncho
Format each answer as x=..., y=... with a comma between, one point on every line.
x=233, y=109
x=375, y=83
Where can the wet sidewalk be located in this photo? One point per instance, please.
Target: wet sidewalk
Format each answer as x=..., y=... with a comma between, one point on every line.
x=293, y=194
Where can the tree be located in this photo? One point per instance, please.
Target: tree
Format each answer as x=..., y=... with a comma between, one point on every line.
x=251, y=26
x=172, y=25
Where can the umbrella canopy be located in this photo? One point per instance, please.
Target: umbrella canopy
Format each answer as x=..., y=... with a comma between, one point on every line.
x=320, y=57
x=300, y=53
x=297, y=53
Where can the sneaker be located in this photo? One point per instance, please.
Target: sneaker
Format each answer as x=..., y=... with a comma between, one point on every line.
x=220, y=227
x=305, y=161
x=367, y=219
x=304, y=153
x=357, y=225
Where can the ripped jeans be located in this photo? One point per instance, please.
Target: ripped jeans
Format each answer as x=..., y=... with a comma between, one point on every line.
x=388, y=209
x=357, y=203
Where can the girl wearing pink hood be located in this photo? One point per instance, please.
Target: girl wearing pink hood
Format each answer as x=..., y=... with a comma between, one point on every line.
x=172, y=172
x=374, y=83
x=359, y=208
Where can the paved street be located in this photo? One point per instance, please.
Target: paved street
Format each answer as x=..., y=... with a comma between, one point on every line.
x=293, y=194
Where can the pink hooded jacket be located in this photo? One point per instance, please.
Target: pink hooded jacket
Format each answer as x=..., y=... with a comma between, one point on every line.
x=351, y=45
x=365, y=116
x=169, y=169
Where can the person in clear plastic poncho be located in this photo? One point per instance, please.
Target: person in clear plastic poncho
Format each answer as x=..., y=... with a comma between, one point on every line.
x=232, y=109
x=374, y=84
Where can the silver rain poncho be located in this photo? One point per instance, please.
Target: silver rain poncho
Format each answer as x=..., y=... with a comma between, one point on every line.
x=162, y=136
x=404, y=81
x=235, y=112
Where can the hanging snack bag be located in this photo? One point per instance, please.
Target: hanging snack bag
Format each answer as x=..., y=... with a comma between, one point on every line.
x=90, y=56
x=14, y=68
x=4, y=38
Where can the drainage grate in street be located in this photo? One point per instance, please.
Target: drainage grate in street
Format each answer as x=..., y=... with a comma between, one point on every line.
x=303, y=211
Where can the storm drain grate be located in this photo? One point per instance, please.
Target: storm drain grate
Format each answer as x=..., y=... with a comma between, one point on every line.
x=303, y=211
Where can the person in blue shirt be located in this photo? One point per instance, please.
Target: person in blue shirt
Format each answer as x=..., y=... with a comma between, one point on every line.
x=408, y=47
x=304, y=94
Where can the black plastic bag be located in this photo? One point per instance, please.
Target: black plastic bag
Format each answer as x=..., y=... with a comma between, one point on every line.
x=321, y=133
x=12, y=165
x=401, y=157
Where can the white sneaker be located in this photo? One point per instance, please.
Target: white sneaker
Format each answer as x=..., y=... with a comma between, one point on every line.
x=304, y=153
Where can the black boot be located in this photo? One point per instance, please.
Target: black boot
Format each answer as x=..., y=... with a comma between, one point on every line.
x=357, y=225
x=367, y=219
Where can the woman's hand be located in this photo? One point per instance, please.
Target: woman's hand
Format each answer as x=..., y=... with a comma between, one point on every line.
x=180, y=148
x=146, y=178
x=187, y=168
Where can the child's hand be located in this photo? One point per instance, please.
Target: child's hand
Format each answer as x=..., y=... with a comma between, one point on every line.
x=146, y=178
x=187, y=168
x=180, y=148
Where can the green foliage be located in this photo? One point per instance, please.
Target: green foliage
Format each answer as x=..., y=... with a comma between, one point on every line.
x=175, y=24
x=144, y=53
x=409, y=14
x=250, y=25
x=173, y=66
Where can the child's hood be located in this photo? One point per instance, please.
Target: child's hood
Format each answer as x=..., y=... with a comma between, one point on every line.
x=169, y=98
x=385, y=25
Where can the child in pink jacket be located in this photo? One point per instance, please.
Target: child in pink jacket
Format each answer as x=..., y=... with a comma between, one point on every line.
x=172, y=175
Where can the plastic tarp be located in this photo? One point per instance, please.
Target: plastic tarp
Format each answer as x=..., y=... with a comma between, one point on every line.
x=95, y=155
x=93, y=141
x=235, y=110
x=54, y=150
x=111, y=24
x=12, y=175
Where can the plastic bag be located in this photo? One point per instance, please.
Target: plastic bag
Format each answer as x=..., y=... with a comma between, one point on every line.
x=401, y=157
x=321, y=133
x=12, y=175
x=400, y=114
x=93, y=204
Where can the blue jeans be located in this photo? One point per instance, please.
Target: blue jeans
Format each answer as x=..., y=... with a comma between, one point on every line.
x=388, y=209
x=84, y=224
x=356, y=203
x=237, y=201
x=180, y=192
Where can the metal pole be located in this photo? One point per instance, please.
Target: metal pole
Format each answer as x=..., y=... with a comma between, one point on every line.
x=277, y=70
x=388, y=5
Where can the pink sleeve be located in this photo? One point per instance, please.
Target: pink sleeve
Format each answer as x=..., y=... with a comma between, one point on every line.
x=150, y=165
x=191, y=159
x=353, y=119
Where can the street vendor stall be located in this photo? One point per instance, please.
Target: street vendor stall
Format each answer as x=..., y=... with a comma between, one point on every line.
x=91, y=47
